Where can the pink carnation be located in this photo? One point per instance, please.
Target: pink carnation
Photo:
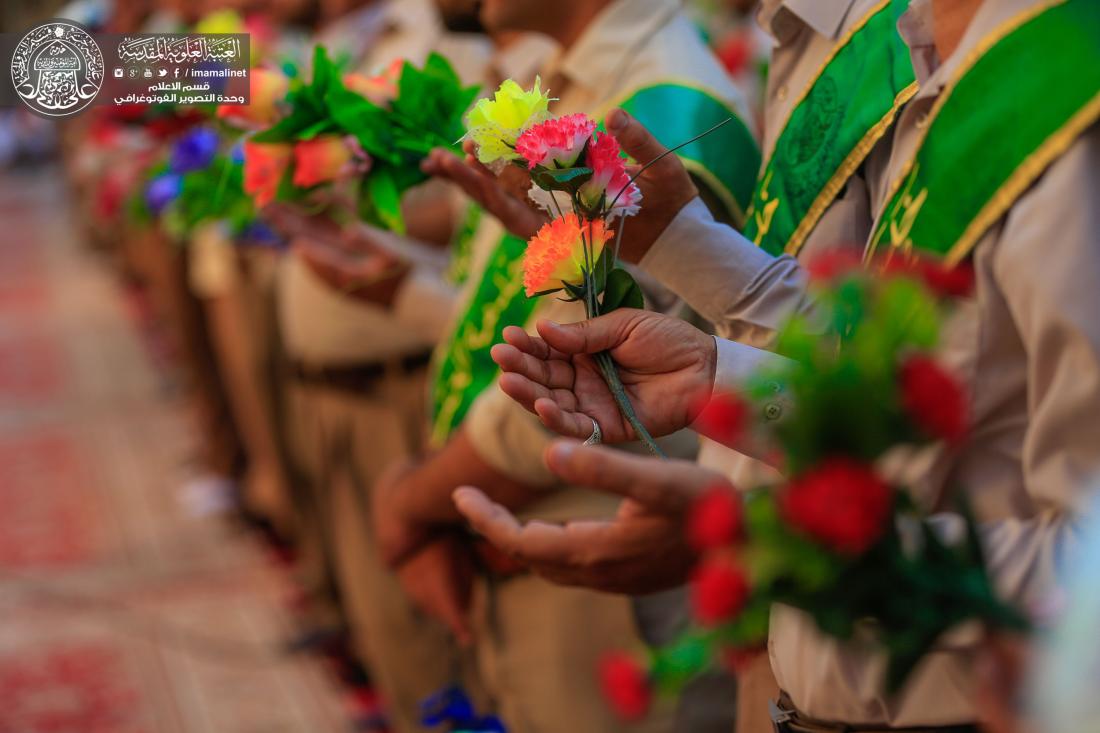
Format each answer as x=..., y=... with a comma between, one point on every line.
x=556, y=142
x=609, y=179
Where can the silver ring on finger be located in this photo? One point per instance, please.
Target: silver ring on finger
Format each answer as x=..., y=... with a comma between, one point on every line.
x=597, y=435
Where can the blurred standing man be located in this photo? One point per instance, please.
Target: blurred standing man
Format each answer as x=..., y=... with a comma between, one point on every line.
x=538, y=645
x=357, y=402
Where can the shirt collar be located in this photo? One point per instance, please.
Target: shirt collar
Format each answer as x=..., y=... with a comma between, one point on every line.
x=622, y=26
x=915, y=28
x=934, y=73
x=779, y=18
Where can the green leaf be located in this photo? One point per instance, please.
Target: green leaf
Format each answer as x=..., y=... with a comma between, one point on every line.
x=561, y=179
x=621, y=292
x=380, y=201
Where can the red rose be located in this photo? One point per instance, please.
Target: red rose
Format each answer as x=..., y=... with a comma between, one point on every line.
x=719, y=591
x=715, y=519
x=950, y=281
x=324, y=158
x=833, y=264
x=841, y=503
x=264, y=166
x=722, y=418
x=625, y=685
x=933, y=398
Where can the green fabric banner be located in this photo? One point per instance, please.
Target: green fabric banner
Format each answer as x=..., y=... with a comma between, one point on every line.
x=1007, y=115
x=842, y=113
x=726, y=160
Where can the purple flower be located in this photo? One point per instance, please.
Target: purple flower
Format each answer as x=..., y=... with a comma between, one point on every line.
x=194, y=150
x=163, y=190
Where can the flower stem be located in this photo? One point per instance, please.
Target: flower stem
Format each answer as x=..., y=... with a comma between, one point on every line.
x=615, y=385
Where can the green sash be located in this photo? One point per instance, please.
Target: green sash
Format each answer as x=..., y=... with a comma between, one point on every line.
x=842, y=113
x=1026, y=93
x=465, y=368
x=726, y=160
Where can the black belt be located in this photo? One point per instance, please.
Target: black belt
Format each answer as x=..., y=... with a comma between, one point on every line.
x=360, y=377
x=787, y=719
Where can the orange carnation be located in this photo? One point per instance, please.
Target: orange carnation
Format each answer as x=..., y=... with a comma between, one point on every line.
x=556, y=255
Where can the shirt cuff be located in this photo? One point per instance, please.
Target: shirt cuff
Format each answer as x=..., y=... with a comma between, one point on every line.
x=739, y=366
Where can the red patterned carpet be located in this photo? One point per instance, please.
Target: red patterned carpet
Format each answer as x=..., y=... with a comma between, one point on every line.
x=121, y=611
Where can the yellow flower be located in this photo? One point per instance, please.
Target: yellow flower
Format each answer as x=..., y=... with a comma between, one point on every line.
x=495, y=124
x=557, y=254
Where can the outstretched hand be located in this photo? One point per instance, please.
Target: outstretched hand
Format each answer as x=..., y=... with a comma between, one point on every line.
x=667, y=368
x=504, y=196
x=643, y=549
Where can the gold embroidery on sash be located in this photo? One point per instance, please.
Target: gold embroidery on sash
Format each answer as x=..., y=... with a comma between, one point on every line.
x=971, y=58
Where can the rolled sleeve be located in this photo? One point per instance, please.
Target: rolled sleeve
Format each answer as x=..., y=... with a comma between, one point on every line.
x=744, y=291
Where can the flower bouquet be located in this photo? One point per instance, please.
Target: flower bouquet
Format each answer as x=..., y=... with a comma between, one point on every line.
x=580, y=178
x=198, y=183
x=838, y=531
x=376, y=129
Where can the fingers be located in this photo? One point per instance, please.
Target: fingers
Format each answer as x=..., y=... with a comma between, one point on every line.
x=635, y=140
x=534, y=543
x=592, y=336
x=488, y=518
x=551, y=373
x=561, y=417
x=665, y=486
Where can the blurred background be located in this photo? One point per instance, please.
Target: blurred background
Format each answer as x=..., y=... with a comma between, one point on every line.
x=148, y=576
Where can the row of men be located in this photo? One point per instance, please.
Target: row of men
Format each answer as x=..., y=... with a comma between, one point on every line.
x=853, y=97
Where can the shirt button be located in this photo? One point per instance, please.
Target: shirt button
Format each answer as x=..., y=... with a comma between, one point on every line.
x=775, y=387
x=773, y=411
x=781, y=93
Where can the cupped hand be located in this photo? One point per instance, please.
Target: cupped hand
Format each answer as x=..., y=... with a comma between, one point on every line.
x=643, y=549
x=370, y=274
x=667, y=368
x=504, y=196
x=396, y=537
x=439, y=578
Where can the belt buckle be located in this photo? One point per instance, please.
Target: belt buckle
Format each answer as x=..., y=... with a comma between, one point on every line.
x=780, y=718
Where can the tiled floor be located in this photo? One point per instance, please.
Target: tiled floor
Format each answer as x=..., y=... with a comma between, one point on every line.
x=121, y=610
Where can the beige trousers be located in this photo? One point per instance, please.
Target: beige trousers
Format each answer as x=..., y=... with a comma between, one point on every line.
x=344, y=441
x=539, y=646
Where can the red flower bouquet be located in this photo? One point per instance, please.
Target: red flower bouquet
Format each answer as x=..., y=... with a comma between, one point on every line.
x=838, y=531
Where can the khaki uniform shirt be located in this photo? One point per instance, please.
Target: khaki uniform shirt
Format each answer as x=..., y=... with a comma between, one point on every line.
x=745, y=292
x=631, y=44
x=1028, y=346
x=320, y=325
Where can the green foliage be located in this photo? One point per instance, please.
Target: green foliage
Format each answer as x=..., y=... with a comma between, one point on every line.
x=427, y=113
x=910, y=587
x=214, y=193
x=621, y=291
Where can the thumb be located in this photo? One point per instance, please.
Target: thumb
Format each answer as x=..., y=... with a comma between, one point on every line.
x=591, y=336
x=635, y=140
